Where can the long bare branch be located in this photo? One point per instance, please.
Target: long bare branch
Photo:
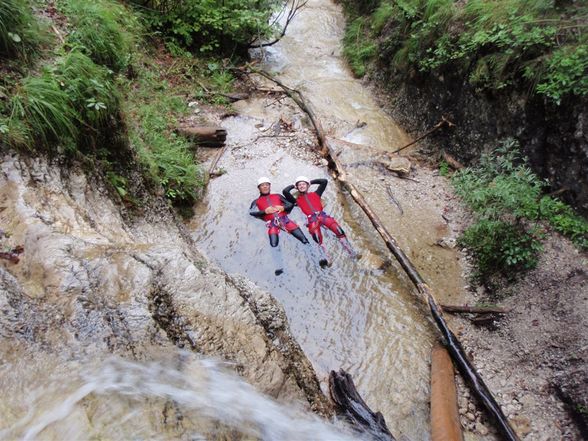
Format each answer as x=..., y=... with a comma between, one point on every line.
x=295, y=6
x=451, y=342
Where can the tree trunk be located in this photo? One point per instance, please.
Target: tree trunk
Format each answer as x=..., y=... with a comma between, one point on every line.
x=350, y=404
x=445, y=425
x=206, y=136
x=475, y=309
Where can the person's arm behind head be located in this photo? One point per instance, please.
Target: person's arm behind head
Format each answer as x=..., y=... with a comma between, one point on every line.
x=322, y=185
x=286, y=192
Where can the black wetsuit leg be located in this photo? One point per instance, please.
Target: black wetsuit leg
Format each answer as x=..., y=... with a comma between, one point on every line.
x=298, y=234
x=274, y=240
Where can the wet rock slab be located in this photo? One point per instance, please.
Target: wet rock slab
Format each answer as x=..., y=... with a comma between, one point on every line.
x=93, y=282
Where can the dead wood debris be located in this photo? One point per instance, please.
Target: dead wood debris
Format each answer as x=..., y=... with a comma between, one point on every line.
x=13, y=255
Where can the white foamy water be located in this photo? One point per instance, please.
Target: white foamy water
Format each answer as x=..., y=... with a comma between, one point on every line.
x=211, y=400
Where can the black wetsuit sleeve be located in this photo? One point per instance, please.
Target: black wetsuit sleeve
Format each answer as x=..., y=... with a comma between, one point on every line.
x=322, y=183
x=254, y=211
x=288, y=206
x=286, y=192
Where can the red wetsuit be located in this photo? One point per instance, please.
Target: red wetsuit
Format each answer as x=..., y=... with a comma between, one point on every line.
x=276, y=221
x=311, y=205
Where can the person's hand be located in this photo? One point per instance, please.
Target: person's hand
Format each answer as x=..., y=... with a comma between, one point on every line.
x=270, y=210
x=279, y=208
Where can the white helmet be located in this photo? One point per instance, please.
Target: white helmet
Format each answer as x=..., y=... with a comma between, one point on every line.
x=302, y=179
x=263, y=180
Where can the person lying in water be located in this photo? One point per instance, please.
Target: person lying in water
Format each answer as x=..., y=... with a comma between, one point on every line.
x=310, y=203
x=274, y=209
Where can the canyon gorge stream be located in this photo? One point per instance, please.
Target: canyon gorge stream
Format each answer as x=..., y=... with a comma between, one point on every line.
x=353, y=315
x=117, y=324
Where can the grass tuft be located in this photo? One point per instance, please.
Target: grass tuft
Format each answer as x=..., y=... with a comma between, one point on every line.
x=105, y=30
x=20, y=32
x=44, y=108
x=154, y=109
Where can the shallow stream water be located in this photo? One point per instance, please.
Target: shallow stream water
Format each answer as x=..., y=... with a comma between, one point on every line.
x=85, y=286
x=355, y=315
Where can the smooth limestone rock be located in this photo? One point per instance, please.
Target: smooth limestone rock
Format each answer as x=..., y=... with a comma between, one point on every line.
x=93, y=282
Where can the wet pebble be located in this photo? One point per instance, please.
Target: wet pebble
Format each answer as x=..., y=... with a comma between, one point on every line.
x=481, y=429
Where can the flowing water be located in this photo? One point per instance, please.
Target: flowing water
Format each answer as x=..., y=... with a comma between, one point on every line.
x=199, y=398
x=353, y=315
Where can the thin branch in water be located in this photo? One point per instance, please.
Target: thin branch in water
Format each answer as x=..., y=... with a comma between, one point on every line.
x=405, y=177
x=393, y=199
x=294, y=8
x=444, y=121
x=277, y=136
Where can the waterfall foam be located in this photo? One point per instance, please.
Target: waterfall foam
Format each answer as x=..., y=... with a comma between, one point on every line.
x=202, y=390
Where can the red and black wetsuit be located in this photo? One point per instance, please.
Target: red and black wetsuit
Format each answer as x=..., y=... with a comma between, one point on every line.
x=311, y=205
x=276, y=221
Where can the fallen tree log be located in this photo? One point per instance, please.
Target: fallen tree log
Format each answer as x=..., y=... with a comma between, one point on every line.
x=233, y=97
x=451, y=342
x=349, y=403
x=475, y=309
x=453, y=345
x=451, y=161
x=445, y=425
x=206, y=136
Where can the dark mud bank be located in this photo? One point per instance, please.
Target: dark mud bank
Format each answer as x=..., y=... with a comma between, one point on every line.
x=554, y=138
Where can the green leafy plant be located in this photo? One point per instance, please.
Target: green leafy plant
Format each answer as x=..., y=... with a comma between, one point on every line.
x=538, y=46
x=118, y=182
x=566, y=73
x=90, y=87
x=563, y=219
x=444, y=168
x=510, y=212
x=221, y=79
x=501, y=247
x=226, y=26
